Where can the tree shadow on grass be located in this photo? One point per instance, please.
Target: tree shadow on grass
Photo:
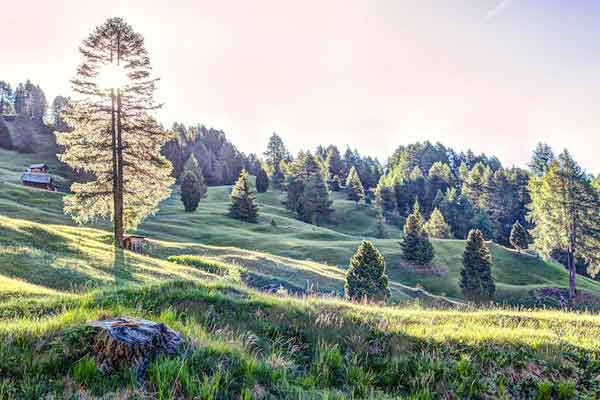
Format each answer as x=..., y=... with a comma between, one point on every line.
x=121, y=268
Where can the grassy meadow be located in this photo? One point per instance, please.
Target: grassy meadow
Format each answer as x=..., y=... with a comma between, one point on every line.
x=201, y=273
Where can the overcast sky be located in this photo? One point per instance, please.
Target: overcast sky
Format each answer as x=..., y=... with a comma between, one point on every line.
x=496, y=76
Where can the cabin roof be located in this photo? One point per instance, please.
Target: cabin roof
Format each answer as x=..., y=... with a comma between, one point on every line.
x=35, y=177
x=38, y=166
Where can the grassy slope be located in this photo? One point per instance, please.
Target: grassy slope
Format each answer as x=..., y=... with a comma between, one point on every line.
x=299, y=253
x=250, y=343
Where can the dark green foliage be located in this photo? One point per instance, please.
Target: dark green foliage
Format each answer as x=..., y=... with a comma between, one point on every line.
x=354, y=187
x=316, y=205
x=416, y=246
x=336, y=184
x=564, y=209
x=262, y=181
x=191, y=191
x=243, y=203
x=335, y=164
x=277, y=178
x=381, y=231
x=384, y=197
x=5, y=139
x=476, y=279
x=519, y=238
x=481, y=221
x=295, y=191
x=366, y=278
x=220, y=161
x=541, y=159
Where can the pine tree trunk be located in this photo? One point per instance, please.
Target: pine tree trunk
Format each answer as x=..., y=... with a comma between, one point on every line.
x=572, y=275
x=119, y=214
x=115, y=173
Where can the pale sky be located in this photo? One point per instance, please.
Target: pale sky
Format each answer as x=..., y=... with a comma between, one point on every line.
x=496, y=76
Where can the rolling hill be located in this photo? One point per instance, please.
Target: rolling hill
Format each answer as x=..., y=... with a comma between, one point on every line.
x=200, y=275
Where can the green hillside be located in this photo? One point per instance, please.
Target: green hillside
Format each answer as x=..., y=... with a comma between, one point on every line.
x=56, y=276
x=303, y=255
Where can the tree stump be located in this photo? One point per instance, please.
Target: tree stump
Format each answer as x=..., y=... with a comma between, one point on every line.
x=132, y=343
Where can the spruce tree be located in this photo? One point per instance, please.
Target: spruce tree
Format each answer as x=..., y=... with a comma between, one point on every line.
x=115, y=138
x=190, y=191
x=541, y=159
x=518, y=237
x=416, y=246
x=564, y=209
x=384, y=198
x=437, y=227
x=262, y=181
x=366, y=278
x=476, y=279
x=243, y=203
x=354, y=187
x=335, y=164
x=316, y=205
x=381, y=231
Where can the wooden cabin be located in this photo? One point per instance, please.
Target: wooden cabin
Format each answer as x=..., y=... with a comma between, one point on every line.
x=38, y=168
x=38, y=180
x=134, y=243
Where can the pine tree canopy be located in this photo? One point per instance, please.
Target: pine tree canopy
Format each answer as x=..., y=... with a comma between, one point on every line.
x=316, y=205
x=243, y=203
x=416, y=246
x=366, y=278
x=115, y=138
x=437, y=227
x=564, y=209
x=354, y=187
x=476, y=279
x=518, y=237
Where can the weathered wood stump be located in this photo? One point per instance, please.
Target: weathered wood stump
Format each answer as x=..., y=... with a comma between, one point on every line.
x=132, y=343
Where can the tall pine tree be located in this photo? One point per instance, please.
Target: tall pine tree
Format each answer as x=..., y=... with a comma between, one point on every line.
x=316, y=205
x=564, y=209
x=476, y=279
x=115, y=138
x=436, y=226
x=243, y=202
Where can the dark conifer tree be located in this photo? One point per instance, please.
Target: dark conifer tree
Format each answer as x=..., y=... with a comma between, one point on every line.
x=518, y=237
x=262, y=181
x=335, y=164
x=316, y=205
x=541, y=159
x=476, y=279
x=381, y=231
x=243, y=202
x=336, y=184
x=366, y=278
x=190, y=191
x=416, y=246
x=384, y=197
x=354, y=187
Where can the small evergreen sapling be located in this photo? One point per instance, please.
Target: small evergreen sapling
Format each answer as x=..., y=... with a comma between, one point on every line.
x=518, y=237
x=243, y=203
x=476, y=279
x=366, y=278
